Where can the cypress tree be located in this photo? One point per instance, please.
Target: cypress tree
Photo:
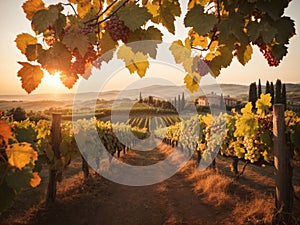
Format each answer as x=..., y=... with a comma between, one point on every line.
x=259, y=89
x=253, y=94
x=182, y=101
x=272, y=93
x=278, y=91
x=268, y=88
x=179, y=104
x=283, y=96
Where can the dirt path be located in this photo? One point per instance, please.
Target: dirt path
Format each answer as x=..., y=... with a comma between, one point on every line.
x=100, y=201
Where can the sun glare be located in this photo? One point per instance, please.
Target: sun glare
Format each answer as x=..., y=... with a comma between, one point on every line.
x=53, y=82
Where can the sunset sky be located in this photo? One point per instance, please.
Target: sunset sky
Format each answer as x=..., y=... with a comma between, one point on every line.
x=13, y=22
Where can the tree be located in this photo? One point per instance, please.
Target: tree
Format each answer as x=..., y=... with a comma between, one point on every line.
x=253, y=94
x=179, y=104
x=141, y=98
x=268, y=88
x=72, y=37
x=283, y=96
x=278, y=89
x=222, y=103
x=259, y=89
x=182, y=101
x=272, y=92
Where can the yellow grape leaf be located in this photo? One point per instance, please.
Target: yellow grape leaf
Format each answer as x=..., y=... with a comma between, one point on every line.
x=192, y=3
x=30, y=7
x=244, y=54
x=180, y=51
x=36, y=180
x=263, y=104
x=23, y=40
x=153, y=8
x=192, y=81
x=188, y=64
x=135, y=62
x=208, y=120
x=5, y=132
x=247, y=109
x=213, y=45
x=20, y=154
x=68, y=79
x=198, y=40
x=31, y=76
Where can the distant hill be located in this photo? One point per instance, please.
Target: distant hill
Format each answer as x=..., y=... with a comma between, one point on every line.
x=44, y=101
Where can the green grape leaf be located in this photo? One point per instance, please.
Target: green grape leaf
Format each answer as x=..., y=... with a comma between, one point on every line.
x=7, y=195
x=108, y=46
x=295, y=134
x=166, y=13
x=32, y=51
x=23, y=40
x=135, y=62
x=57, y=58
x=134, y=16
x=263, y=104
x=30, y=7
x=44, y=18
x=279, y=51
x=19, y=179
x=31, y=76
x=26, y=133
x=274, y=8
x=20, y=154
x=244, y=54
x=223, y=60
x=192, y=81
x=253, y=30
x=180, y=51
x=201, y=22
x=268, y=32
x=59, y=25
x=146, y=47
x=78, y=40
x=285, y=29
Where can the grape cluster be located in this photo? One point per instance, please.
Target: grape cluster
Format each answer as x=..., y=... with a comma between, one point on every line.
x=78, y=66
x=201, y=66
x=117, y=29
x=268, y=54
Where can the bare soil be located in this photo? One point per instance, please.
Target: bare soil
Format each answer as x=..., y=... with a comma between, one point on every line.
x=188, y=197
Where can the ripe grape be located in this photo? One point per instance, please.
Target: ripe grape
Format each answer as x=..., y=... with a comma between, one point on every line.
x=117, y=29
x=266, y=51
x=201, y=66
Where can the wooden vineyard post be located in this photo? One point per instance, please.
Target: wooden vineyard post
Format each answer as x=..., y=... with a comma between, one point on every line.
x=283, y=170
x=56, y=140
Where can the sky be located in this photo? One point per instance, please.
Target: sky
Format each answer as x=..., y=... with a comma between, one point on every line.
x=14, y=22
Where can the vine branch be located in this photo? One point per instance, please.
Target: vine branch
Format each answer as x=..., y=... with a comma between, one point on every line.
x=69, y=4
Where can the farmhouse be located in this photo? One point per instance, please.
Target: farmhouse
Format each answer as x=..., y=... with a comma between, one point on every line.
x=213, y=99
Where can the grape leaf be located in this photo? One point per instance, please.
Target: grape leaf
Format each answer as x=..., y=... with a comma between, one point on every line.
x=279, y=51
x=263, y=104
x=78, y=40
x=108, y=46
x=246, y=125
x=253, y=30
x=180, y=51
x=201, y=22
x=32, y=52
x=244, y=54
x=145, y=41
x=30, y=7
x=56, y=58
x=274, y=8
x=268, y=32
x=5, y=132
x=59, y=25
x=285, y=29
x=44, y=18
x=23, y=40
x=192, y=81
x=192, y=3
x=68, y=79
x=31, y=76
x=198, y=40
x=19, y=179
x=134, y=16
x=167, y=11
x=223, y=60
x=36, y=180
x=135, y=62
x=20, y=154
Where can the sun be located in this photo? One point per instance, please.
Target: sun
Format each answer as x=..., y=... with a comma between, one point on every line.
x=52, y=82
